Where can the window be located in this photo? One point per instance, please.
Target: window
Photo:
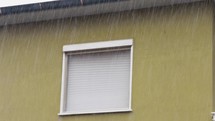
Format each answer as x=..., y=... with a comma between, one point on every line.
x=96, y=77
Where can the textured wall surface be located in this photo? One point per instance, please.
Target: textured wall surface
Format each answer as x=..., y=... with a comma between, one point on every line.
x=172, y=77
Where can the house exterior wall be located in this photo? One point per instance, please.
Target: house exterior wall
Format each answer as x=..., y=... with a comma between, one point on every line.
x=172, y=64
x=213, y=60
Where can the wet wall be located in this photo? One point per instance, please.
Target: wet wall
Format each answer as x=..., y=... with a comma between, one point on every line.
x=172, y=64
x=213, y=58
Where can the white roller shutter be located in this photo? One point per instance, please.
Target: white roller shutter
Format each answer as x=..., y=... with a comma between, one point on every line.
x=98, y=82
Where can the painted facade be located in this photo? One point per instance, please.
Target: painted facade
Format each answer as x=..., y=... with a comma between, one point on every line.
x=172, y=64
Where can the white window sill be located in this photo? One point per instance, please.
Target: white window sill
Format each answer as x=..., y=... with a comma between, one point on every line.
x=96, y=112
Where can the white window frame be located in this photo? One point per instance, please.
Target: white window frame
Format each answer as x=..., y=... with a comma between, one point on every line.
x=91, y=46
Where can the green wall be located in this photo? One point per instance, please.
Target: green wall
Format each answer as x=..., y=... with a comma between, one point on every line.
x=213, y=58
x=172, y=77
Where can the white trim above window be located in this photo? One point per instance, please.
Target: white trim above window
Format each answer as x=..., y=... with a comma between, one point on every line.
x=97, y=77
x=97, y=45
